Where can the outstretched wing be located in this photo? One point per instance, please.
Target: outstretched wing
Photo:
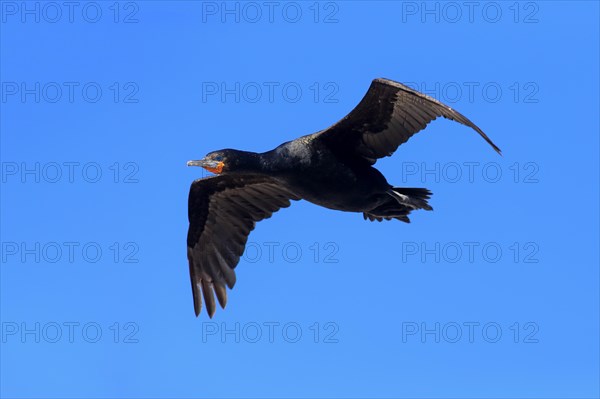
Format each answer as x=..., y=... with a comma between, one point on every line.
x=222, y=210
x=388, y=115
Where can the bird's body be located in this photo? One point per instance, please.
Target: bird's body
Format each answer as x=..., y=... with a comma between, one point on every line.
x=308, y=168
x=332, y=168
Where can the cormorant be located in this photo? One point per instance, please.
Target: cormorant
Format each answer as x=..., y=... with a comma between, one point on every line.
x=332, y=168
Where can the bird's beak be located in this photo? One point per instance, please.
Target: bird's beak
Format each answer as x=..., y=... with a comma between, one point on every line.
x=211, y=166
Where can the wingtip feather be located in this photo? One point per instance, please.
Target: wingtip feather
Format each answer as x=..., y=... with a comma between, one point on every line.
x=209, y=298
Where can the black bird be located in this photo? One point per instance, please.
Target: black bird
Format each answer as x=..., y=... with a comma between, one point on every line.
x=332, y=168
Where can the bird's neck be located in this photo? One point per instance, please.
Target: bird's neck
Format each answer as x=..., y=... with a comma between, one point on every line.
x=248, y=162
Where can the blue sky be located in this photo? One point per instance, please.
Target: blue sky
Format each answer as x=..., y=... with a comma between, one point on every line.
x=493, y=294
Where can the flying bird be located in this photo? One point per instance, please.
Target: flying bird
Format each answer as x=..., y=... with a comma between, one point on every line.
x=332, y=168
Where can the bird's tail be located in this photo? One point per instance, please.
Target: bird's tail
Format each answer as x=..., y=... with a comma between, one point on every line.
x=402, y=201
x=415, y=198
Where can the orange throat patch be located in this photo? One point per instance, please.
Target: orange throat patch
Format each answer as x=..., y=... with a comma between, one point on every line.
x=216, y=170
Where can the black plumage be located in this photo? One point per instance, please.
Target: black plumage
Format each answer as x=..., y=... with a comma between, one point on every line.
x=331, y=168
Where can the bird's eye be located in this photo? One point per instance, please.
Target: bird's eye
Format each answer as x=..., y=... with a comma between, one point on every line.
x=218, y=158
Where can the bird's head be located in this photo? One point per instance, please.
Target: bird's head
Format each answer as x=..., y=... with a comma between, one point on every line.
x=217, y=161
